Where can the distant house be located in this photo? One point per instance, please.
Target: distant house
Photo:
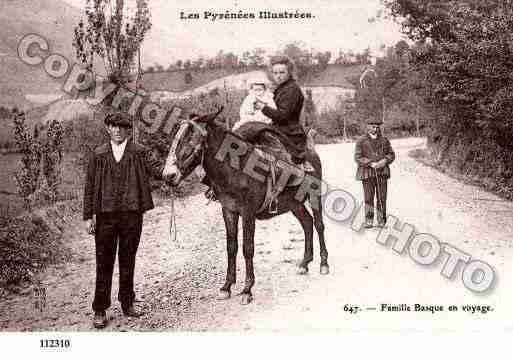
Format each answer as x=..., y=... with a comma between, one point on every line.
x=336, y=83
x=341, y=76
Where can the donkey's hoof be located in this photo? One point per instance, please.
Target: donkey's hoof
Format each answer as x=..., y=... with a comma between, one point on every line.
x=245, y=299
x=302, y=270
x=325, y=269
x=223, y=295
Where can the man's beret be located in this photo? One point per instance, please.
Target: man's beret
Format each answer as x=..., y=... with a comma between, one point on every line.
x=120, y=119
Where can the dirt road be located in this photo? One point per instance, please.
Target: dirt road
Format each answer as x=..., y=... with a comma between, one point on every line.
x=177, y=282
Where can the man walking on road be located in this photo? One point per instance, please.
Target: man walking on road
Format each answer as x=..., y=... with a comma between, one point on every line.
x=374, y=154
x=117, y=193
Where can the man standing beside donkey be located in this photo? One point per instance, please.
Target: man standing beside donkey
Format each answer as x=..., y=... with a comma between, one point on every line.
x=117, y=192
x=374, y=154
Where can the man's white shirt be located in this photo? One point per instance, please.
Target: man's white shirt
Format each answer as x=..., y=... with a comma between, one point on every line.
x=118, y=150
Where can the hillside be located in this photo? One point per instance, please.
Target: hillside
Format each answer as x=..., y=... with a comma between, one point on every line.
x=325, y=97
x=337, y=75
x=327, y=87
x=51, y=19
x=174, y=81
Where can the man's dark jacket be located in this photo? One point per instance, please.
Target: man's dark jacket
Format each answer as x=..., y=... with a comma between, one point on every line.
x=370, y=150
x=289, y=104
x=122, y=186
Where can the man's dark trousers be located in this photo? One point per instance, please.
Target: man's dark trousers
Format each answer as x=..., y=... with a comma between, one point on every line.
x=113, y=228
x=375, y=187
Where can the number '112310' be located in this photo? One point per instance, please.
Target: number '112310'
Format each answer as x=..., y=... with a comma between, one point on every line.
x=55, y=343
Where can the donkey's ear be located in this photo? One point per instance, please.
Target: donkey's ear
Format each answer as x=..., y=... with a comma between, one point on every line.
x=211, y=116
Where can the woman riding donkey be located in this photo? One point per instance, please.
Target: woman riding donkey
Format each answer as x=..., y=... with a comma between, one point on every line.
x=284, y=114
x=285, y=117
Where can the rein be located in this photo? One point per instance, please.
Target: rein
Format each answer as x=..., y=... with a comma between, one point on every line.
x=172, y=220
x=171, y=160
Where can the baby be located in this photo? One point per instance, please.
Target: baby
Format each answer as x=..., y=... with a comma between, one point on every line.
x=257, y=91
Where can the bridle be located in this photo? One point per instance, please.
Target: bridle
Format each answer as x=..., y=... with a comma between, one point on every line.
x=184, y=126
x=171, y=160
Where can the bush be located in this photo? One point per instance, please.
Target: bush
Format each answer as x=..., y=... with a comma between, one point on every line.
x=40, y=156
x=29, y=243
x=230, y=99
x=84, y=135
x=28, y=175
x=478, y=159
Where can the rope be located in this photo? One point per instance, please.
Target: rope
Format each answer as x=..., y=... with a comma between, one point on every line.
x=172, y=220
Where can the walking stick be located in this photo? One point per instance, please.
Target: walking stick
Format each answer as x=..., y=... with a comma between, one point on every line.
x=380, y=203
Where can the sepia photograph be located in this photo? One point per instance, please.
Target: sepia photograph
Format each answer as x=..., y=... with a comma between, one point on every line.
x=245, y=168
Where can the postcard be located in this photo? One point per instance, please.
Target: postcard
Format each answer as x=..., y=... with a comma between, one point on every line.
x=250, y=169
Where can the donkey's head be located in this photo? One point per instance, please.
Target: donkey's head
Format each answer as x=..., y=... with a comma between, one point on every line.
x=187, y=148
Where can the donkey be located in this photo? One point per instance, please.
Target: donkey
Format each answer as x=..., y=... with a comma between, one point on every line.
x=198, y=142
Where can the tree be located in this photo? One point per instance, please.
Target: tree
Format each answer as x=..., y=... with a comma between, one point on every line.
x=301, y=57
x=112, y=37
x=210, y=64
x=341, y=59
x=257, y=57
x=109, y=33
x=198, y=63
x=383, y=85
x=28, y=174
x=230, y=61
x=179, y=64
x=218, y=60
x=246, y=58
x=188, y=78
x=402, y=48
x=309, y=111
x=323, y=58
x=463, y=57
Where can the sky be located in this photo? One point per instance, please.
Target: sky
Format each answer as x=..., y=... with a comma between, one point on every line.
x=337, y=24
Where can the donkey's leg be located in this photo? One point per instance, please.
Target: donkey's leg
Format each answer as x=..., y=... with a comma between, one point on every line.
x=317, y=213
x=248, y=248
x=306, y=221
x=231, y=222
x=319, y=226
